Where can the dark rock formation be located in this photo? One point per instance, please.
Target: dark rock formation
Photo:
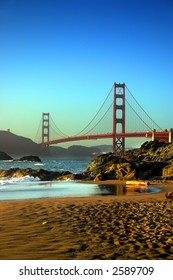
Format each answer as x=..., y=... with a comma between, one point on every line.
x=71, y=177
x=42, y=174
x=29, y=158
x=152, y=161
x=4, y=156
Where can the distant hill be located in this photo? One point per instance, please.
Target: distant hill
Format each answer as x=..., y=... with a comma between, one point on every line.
x=75, y=151
x=104, y=148
x=15, y=145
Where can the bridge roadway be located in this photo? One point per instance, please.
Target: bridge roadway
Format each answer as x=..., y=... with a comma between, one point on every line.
x=163, y=135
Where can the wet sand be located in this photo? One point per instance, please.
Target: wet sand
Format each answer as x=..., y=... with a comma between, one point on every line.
x=102, y=227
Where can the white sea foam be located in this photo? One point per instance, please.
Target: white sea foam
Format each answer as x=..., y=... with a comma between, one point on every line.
x=11, y=181
x=38, y=163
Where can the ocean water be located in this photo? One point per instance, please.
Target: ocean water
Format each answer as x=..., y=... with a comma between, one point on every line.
x=74, y=166
x=32, y=188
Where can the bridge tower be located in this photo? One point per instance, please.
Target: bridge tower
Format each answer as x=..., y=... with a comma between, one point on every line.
x=45, y=127
x=118, y=118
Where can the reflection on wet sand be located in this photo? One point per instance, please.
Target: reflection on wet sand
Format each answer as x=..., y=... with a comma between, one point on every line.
x=121, y=189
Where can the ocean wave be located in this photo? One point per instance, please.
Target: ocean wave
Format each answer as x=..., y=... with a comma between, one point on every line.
x=14, y=181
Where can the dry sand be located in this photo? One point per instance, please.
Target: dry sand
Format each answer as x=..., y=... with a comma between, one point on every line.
x=107, y=227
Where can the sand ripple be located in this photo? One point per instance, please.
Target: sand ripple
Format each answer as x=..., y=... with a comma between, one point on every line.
x=83, y=229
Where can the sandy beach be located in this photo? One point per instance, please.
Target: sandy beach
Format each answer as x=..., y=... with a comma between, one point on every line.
x=101, y=227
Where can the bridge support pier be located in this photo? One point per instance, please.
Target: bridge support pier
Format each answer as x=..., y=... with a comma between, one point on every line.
x=153, y=135
x=168, y=138
x=170, y=135
x=118, y=144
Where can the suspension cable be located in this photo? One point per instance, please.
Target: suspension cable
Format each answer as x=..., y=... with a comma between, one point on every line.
x=35, y=138
x=56, y=132
x=99, y=120
x=96, y=114
x=143, y=110
x=62, y=133
x=138, y=115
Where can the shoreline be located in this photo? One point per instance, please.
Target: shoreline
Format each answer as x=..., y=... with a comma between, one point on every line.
x=130, y=193
x=100, y=227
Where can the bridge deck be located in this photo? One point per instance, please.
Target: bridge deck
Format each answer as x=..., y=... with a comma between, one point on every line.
x=157, y=135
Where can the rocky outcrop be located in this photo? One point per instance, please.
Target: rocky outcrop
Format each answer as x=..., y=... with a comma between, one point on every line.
x=29, y=158
x=152, y=161
x=71, y=177
x=4, y=156
x=42, y=174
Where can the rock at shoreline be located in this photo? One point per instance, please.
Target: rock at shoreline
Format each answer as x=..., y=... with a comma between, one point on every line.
x=30, y=158
x=4, y=156
x=152, y=161
x=42, y=174
x=71, y=177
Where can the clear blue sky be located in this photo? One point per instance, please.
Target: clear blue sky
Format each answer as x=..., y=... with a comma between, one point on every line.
x=63, y=56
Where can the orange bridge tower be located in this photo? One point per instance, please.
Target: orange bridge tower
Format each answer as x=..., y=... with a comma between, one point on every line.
x=118, y=143
x=45, y=128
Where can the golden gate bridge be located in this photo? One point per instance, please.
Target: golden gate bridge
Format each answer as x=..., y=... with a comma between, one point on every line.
x=122, y=113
